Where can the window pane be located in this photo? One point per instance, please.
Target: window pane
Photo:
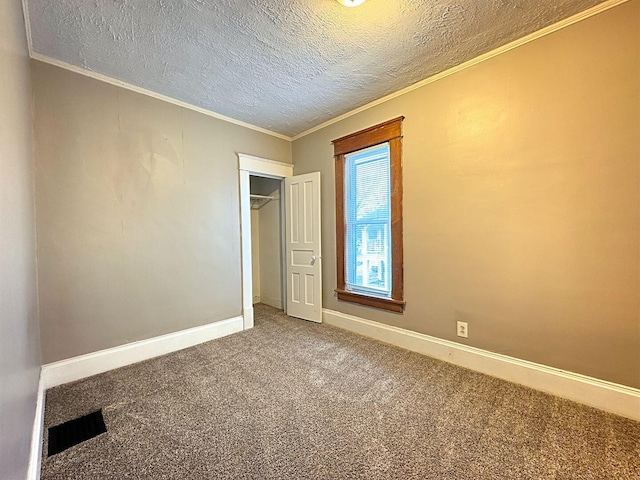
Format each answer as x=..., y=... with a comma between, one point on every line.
x=368, y=215
x=368, y=258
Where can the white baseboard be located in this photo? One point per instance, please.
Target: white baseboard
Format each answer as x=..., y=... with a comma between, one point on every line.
x=608, y=396
x=83, y=366
x=35, y=456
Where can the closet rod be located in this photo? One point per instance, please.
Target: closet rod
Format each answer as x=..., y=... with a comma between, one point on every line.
x=260, y=196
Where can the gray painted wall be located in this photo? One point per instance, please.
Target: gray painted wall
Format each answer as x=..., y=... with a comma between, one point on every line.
x=138, y=213
x=19, y=342
x=521, y=200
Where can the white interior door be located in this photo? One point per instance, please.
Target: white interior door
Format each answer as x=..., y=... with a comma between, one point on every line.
x=302, y=246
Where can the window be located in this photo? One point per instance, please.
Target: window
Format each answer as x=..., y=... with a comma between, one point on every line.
x=369, y=216
x=368, y=221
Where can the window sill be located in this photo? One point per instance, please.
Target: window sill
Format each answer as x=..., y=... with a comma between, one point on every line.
x=382, y=303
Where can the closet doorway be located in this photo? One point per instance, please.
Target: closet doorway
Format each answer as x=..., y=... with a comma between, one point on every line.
x=296, y=286
x=266, y=241
x=262, y=221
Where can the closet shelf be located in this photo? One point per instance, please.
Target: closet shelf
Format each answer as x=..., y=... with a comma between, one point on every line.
x=259, y=201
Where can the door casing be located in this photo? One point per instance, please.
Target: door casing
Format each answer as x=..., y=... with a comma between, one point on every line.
x=250, y=165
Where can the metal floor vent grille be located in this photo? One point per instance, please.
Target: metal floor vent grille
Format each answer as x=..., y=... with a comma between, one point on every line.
x=75, y=431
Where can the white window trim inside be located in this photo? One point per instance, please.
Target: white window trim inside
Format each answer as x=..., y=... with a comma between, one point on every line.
x=383, y=261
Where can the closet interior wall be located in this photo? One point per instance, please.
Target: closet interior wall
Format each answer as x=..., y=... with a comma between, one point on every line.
x=266, y=241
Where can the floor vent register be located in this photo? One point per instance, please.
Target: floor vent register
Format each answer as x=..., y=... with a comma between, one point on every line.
x=75, y=431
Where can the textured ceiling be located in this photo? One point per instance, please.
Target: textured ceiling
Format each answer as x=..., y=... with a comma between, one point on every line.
x=283, y=65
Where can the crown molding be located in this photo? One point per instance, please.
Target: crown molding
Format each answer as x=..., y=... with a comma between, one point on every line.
x=434, y=78
x=119, y=83
x=27, y=25
x=474, y=61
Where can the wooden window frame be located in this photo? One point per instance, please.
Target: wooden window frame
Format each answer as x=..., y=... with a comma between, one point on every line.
x=389, y=131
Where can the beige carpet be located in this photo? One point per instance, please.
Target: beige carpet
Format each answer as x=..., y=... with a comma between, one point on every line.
x=292, y=399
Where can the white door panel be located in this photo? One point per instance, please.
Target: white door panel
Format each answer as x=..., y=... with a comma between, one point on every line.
x=302, y=246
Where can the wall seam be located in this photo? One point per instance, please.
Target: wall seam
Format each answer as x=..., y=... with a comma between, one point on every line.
x=35, y=207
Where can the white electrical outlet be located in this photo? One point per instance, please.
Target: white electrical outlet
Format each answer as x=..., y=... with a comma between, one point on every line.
x=463, y=329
